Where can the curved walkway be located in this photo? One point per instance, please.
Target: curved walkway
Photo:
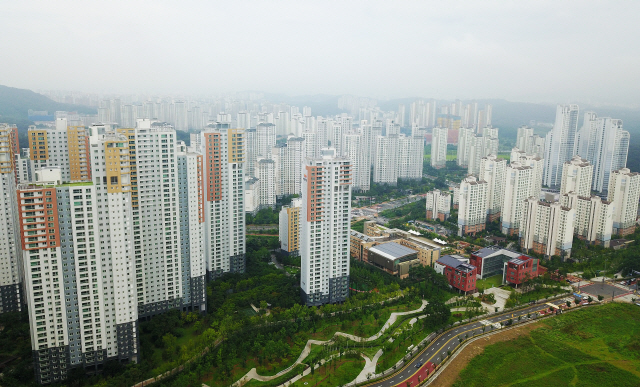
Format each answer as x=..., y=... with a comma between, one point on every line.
x=253, y=373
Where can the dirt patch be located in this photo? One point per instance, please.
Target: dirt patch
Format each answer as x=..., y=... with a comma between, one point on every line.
x=450, y=374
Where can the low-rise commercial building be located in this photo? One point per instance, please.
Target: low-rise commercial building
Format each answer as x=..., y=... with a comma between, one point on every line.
x=495, y=260
x=393, y=258
x=460, y=274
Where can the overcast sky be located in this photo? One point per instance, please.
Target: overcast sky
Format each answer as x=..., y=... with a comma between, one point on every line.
x=555, y=51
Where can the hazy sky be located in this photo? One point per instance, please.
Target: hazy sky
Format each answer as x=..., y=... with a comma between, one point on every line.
x=555, y=51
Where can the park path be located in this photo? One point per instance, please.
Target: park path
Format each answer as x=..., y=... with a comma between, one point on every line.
x=253, y=373
x=369, y=367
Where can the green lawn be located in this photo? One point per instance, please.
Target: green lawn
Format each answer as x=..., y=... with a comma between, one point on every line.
x=594, y=346
x=336, y=373
x=490, y=282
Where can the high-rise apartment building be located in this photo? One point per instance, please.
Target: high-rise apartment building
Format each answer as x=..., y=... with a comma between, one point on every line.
x=267, y=177
x=224, y=199
x=624, y=193
x=439, y=147
x=464, y=146
x=438, y=205
x=324, y=228
x=492, y=170
x=66, y=147
x=289, y=231
x=604, y=143
x=11, y=292
x=311, y=143
x=192, y=232
x=547, y=228
x=559, y=143
x=517, y=188
x=576, y=177
x=472, y=210
x=537, y=166
x=410, y=157
x=481, y=145
x=288, y=167
x=160, y=287
x=385, y=168
x=266, y=139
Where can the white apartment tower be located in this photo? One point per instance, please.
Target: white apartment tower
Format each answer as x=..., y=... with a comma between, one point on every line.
x=439, y=147
x=464, y=146
x=472, y=210
x=410, y=157
x=192, y=232
x=251, y=151
x=481, y=146
x=547, y=228
x=158, y=214
x=604, y=143
x=325, y=229
x=385, y=169
x=624, y=193
x=267, y=178
x=537, y=166
x=311, y=143
x=576, y=177
x=559, y=143
x=492, y=170
x=438, y=205
x=266, y=139
x=224, y=199
x=288, y=172
x=517, y=188
x=112, y=196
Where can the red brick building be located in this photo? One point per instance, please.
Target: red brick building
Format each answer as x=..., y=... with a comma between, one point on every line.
x=512, y=265
x=460, y=274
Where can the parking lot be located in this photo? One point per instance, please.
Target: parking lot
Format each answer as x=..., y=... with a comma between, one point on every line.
x=604, y=290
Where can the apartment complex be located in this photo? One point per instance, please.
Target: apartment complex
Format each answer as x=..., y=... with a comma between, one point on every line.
x=325, y=219
x=547, y=228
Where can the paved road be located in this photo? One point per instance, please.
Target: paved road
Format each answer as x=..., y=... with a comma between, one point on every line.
x=448, y=341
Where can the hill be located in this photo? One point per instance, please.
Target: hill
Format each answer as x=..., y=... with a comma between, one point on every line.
x=15, y=104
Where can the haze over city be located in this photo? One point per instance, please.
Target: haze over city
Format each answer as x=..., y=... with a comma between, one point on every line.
x=282, y=194
x=534, y=52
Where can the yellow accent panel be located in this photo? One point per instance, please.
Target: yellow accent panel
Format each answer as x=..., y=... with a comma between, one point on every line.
x=38, y=145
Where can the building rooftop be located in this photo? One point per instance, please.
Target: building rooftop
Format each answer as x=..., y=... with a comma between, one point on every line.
x=491, y=250
x=456, y=262
x=392, y=250
x=361, y=236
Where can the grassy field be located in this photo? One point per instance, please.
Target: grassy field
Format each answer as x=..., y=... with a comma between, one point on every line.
x=595, y=346
x=490, y=282
x=336, y=373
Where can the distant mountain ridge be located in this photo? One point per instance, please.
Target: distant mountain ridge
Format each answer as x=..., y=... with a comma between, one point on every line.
x=15, y=104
